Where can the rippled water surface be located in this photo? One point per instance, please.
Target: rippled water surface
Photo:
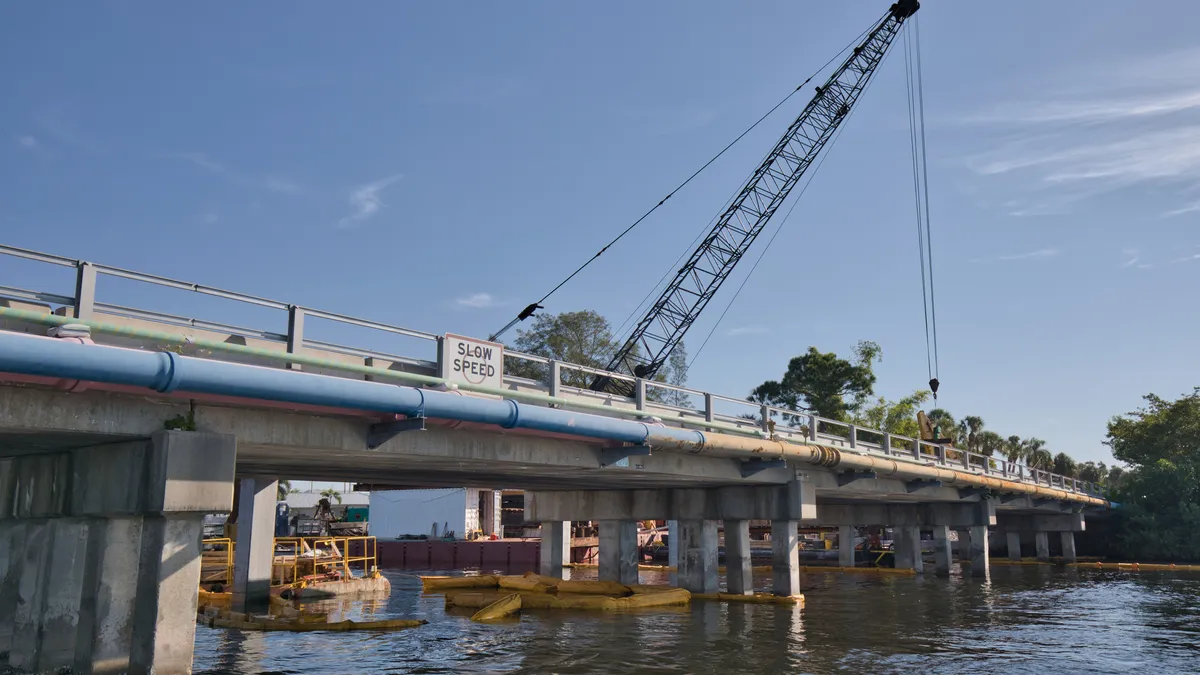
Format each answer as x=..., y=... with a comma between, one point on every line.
x=1024, y=620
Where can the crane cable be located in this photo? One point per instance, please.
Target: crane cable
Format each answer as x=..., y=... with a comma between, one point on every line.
x=533, y=307
x=916, y=126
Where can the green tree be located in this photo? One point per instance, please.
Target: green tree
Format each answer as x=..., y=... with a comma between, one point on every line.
x=284, y=489
x=332, y=495
x=1160, y=492
x=1036, y=454
x=1065, y=465
x=823, y=383
x=895, y=417
x=969, y=430
x=1014, y=449
x=1092, y=472
x=585, y=338
x=990, y=443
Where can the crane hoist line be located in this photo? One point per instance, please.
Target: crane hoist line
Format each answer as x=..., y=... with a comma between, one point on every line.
x=664, y=324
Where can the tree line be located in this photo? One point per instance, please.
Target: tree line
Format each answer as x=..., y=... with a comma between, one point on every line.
x=824, y=384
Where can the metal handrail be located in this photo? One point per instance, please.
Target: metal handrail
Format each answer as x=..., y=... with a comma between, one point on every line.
x=799, y=423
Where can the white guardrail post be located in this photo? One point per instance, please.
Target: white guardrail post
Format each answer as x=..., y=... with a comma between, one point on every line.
x=555, y=377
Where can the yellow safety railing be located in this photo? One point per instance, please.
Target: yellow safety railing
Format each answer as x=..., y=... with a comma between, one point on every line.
x=216, y=561
x=297, y=558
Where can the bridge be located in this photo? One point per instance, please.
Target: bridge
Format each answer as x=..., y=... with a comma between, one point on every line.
x=120, y=427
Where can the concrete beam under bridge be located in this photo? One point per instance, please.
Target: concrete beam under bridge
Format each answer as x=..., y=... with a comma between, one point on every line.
x=963, y=515
x=1073, y=522
x=794, y=501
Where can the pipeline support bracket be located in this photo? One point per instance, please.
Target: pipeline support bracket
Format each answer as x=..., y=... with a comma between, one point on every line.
x=382, y=432
x=619, y=455
x=753, y=466
x=849, y=477
x=968, y=493
x=917, y=485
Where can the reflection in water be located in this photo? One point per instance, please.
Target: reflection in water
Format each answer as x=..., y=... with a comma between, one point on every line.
x=1029, y=619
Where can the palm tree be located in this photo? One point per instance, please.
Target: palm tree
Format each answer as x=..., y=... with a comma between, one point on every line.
x=990, y=443
x=284, y=488
x=1014, y=449
x=1036, y=454
x=969, y=430
x=331, y=494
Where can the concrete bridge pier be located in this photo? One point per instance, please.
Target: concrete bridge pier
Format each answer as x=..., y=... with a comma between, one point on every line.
x=906, y=540
x=100, y=551
x=1014, y=545
x=943, y=556
x=1039, y=526
x=785, y=561
x=254, y=550
x=846, y=535
x=698, y=555
x=694, y=514
x=555, y=550
x=1068, y=547
x=1041, y=542
x=739, y=576
x=619, y=551
x=964, y=545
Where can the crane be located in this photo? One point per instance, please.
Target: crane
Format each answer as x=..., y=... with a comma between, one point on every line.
x=663, y=326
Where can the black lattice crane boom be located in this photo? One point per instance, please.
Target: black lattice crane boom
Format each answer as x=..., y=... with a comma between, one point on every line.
x=697, y=281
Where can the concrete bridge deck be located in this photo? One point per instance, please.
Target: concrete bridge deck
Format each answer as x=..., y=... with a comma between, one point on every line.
x=123, y=427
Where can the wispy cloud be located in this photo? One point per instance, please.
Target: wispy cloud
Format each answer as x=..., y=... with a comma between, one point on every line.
x=207, y=163
x=742, y=331
x=56, y=125
x=1134, y=260
x=477, y=301
x=1106, y=129
x=1030, y=255
x=1187, y=258
x=366, y=201
x=26, y=141
x=1186, y=208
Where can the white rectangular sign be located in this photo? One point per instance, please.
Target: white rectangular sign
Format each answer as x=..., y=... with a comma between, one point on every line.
x=471, y=361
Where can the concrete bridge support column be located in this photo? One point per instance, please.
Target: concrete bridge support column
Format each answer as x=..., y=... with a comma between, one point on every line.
x=1041, y=540
x=785, y=561
x=964, y=545
x=254, y=552
x=100, y=552
x=980, y=563
x=1068, y=546
x=673, y=550
x=906, y=540
x=619, y=551
x=846, y=534
x=739, y=578
x=942, y=554
x=555, y=550
x=698, y=555
x=1014, y=545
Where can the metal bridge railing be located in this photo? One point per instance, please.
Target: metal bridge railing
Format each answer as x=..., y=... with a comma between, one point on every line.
x=661, y=401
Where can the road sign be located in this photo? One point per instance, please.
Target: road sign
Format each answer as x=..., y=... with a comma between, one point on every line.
x=470, y=361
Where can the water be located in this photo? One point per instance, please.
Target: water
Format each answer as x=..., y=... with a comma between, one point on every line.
x=1032, y=619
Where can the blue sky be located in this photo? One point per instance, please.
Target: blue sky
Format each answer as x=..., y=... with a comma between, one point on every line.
x=439, y=165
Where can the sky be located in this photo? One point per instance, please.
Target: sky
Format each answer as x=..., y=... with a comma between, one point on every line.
x=440, y=165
